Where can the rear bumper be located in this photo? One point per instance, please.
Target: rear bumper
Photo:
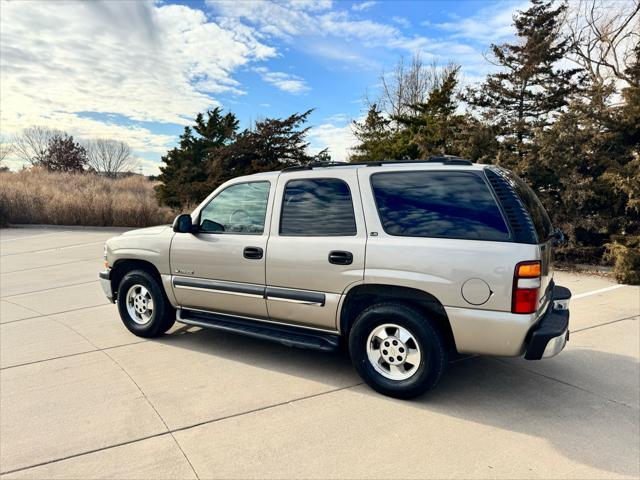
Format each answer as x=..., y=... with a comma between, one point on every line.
x=105, y=282
x=550, y=334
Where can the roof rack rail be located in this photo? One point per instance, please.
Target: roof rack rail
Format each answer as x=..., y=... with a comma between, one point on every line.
x=444, y=159
x=311, y=166
x=449, y=160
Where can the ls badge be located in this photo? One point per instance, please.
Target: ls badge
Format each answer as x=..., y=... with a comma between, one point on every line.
x=184, y=272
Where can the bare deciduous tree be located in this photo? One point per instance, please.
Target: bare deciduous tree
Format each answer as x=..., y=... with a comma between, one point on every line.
x=5, y=149
x=408, y=85
x=110, y=157
x=603, y=36
x=31, y=146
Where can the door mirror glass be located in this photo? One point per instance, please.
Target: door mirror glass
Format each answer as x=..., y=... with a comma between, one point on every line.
x=182, y=224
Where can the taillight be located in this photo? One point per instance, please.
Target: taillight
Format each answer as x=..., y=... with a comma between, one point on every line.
x=526, y=287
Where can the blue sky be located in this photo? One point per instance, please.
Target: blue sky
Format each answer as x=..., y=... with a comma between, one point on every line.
x=139, y=71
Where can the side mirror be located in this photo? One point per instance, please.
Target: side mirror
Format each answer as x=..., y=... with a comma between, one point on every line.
x=183, y=224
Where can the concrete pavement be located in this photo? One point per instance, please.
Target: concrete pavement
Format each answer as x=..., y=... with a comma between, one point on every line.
x=81, y=397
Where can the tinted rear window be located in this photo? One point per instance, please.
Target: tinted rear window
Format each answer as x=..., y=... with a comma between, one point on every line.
x=438, y=204
x=317, y=207
x=539, y=216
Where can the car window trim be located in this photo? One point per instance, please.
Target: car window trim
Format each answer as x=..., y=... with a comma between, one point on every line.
x=375, y=201
x=284, y=191
x=226, y=188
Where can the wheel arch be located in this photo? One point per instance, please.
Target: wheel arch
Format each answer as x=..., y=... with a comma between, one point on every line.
x=122, y=266
x=361, y=296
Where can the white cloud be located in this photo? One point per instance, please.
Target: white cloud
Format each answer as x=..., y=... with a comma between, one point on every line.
x=284, y=81
x=489, y=25
x=146, y=166
x=144, y=61
x=336, y=35
x=288, y=18
x=336, y=135
x=402, y=21
x=359, y=7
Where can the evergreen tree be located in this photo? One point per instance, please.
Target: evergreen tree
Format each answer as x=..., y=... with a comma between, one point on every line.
x=184, y=178
x=433, y=125
x=272, y=144
x=588, y=168
x=373, y=134
x=529, y=86
x=63, y=154
x=625, y=176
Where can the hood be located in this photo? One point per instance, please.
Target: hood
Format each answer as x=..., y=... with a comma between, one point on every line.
x=147, y=231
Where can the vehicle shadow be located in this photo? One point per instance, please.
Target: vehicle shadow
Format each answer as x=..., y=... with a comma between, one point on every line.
x=331, y=368
x=585, y=423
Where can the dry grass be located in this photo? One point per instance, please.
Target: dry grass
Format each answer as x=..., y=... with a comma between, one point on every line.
x=41, y=197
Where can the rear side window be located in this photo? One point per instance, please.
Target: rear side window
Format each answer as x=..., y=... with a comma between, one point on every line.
x=317, y=207
x=438, y=204
x=532, y=203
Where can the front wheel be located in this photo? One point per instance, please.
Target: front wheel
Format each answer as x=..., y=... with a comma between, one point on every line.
x=397, y=350
x=143, y=305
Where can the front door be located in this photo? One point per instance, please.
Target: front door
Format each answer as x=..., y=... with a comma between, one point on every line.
x=316, y=246
x=221, y=267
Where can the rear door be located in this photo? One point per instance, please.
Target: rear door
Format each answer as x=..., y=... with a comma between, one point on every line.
x=316, y=247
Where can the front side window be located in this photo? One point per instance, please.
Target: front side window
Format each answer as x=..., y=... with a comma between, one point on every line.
x=438, y=204
x=317, y=207
x=239, y=209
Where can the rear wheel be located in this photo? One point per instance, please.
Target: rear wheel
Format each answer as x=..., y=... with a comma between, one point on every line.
x=143, y=305
x=396, y=350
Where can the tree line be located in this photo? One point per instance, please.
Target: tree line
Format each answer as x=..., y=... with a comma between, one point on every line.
x=561, y=109
x=55, y=150
x=214, y=150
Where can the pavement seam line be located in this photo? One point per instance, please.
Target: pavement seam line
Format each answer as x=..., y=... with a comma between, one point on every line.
x=81, y=454
x=206, y=422
x=47, y=314
x=632, y=317
x=144, y=395
x=48, y=289
x=47, y=266
x=71, y=355
x=533, y=372
x=32, y=236
x=137, y=386
x=27, y=308
x=53, y=249
x=267, y=407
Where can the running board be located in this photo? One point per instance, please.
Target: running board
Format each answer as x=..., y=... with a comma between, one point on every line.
x=287, y=335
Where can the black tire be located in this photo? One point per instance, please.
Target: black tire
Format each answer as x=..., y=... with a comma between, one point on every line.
x=162, y=316
x=430, y=341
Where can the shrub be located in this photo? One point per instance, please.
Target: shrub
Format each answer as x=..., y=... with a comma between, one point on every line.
x=37, y=196
x=626, y=260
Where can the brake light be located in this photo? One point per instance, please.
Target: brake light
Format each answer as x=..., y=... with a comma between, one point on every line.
x=526, y=287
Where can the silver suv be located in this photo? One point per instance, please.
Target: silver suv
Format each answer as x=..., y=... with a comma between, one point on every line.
x=409, y=263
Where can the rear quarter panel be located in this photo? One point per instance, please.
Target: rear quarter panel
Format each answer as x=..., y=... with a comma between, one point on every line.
x=441, y=266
